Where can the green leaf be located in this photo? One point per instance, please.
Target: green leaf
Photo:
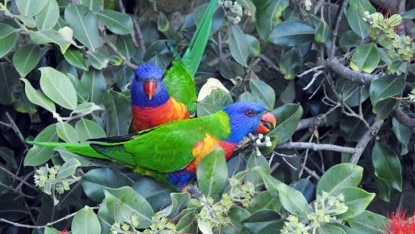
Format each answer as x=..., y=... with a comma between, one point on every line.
x=384, y=108
x=268, y=14
x=48, y=17
x=366, y=58
x=84, y=25
x=37, y=97
x=120, y=205
x=58, y=87
x=386, y=87
x=263, y=93
x=118, y=113
x=179, y=202
x=10, y=84
x=125, y=46
x=288, y=116
x=387, y=165
x=323, y=32
x=98, y=60
x=85, y=221
x=215, y=101
x=212, y=173
x=50, y=36
x=31, y=7
x=292, y=33
x=349, y=40
x=263, y=221
x=354, y=13
x=8, y=38
x=96, y=180
x=68, y=169
x=403, y=134
x=88, y=129
x=330, y=228
x=116, y=22
x=93, y=86
x=39, y=155
x=368, y=222
x=25, y=58
x=238, y=45
x=290, y=66
x=66, y=132
x=339, y=176
x=95, y=5
x=86, y=108
x=356, y=200
x=292, y=200
x=75, y=58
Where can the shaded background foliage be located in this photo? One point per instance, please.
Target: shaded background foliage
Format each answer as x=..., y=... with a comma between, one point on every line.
x=350, y=83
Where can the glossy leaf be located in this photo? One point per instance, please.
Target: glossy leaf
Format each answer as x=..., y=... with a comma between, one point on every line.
x=125, y=46
x=356, y=200
x=50, y=36
x=120, y=205
x=86, y=108
x=387, y=165
x=85, y=221
x=8, y=38
x=116, y=22
x=366, y=58
x=292, y=200
x=354, y=13
x=330, y=228
x=117, y=114
x=323, y=32
x=58, y=87
x=48, y=17
x=96, y=180
x=75, y=58
x=93, y=86
x=84, y=25
x=349, y=40
x=339, y=176
x=94, y=5
x=9, y=79
x=230, y=69
x=39, y=155
x=368, y=222
x=212, y=173
x=402, y=133
x=37, y=97
x=290, y=66
x=292, y=33
x=263, y=93
x=88, y=129
x=288, y=117
x=263, y=221
x=386, y=87
x=25, y=58
x=98, y=60
x=268, y=15
x=30, y=7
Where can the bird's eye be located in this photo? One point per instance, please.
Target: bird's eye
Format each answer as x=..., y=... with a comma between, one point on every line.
x=249, y=113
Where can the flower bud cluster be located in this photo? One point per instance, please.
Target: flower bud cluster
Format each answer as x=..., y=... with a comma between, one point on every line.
x=241, y=193
x=233, y=10
x=45, y=179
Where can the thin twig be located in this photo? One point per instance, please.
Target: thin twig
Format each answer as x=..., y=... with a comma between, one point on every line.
x=316, y=147
x=115, y=49
x=336, y=28
x=16, y=177
x=122, y=9
x=269, y=62
x=15, y=129
x=41, y=226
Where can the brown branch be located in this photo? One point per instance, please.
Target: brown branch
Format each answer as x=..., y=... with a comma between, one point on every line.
x=347, y=73
x=336, y=27
x=361, y=145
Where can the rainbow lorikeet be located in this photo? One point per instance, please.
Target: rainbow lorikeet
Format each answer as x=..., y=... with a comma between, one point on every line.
x=159, y=97
x=171, y=152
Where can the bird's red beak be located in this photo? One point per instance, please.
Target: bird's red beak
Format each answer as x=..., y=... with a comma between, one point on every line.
x=268, y=122
x=149, y=88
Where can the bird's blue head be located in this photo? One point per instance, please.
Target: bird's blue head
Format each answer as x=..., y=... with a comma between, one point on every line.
x=248, y=117
x=147, y=86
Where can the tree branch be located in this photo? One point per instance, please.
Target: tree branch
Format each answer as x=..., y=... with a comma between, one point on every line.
x=317, y=147
x=361, y=145
x=347, y=73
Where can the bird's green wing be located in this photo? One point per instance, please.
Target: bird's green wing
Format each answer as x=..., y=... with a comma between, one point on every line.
x=179, y=78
